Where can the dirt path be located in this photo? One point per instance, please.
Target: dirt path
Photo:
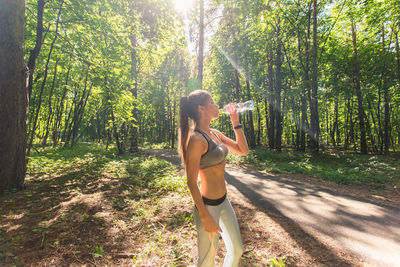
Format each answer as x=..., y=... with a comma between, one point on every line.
x=345, y=229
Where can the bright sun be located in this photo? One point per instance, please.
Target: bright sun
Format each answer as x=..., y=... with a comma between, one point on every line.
x=183, y=5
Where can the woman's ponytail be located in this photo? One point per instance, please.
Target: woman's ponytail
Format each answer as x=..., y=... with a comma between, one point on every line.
x=188, y=109
x=183, y=128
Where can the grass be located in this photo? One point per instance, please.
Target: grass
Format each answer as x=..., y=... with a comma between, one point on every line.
x=89, y=206
x=163, y=145
x=374, y=170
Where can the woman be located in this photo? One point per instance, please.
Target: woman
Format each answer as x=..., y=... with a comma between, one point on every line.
x=203, y=152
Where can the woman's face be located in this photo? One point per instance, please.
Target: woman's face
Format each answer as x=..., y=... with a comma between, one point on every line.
x=212, y=109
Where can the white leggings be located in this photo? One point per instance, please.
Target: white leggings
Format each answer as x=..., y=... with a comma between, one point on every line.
x=207, y=245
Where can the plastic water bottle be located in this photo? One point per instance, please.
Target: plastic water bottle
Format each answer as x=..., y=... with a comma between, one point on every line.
x=241, y=107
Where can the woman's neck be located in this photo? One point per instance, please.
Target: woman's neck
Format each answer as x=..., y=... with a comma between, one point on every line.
x=204, y=126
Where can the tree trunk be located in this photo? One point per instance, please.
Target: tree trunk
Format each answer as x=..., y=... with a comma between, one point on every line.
x=380, y=132
x=357, y=78
x=81, y=113
x=278, y=89
x=314, y=93
x=108, y=139
x=303, y=123
x=79, y=109
x=396, y=42
x=385, y=97
x=259, y=131
x=50, y=115
x=168, y=122
x=98, y=127
x=348, y=112
x=57, y=123
x=32, y=134
x=251, y=122
x=67, y=125
x=271, y=106
x=173, y=125
x=398, y=68
x=13, y=95
x=306, y=81
x=134, y=146
x=335, y=128
x=352, y=120
x=116, y=135
x=34, y=53
x=237, y=85
x=39, y=103
x=377, y=134
x=266, y=117
x=201, y=44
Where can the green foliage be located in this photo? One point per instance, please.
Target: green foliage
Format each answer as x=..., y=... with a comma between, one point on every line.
x=129, y=47
x=140, y=194
x=97, y=37
x=337, y=167
x=162, y=145
x=276, y=263
x=148, y=168
x=50, y=160
x=143, y=171
x=98, y=252
x=153, y=172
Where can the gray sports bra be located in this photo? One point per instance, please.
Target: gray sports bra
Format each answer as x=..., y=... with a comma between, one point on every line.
x=216, y=153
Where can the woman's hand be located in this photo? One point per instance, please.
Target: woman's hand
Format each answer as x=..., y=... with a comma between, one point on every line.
x=211, y=226
x=233, y=113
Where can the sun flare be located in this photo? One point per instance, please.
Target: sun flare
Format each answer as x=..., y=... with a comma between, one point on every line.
x=183, y=5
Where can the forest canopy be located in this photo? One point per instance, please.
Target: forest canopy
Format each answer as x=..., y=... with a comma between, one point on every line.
x=322, y=73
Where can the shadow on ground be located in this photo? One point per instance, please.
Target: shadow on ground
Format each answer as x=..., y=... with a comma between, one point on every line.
x=76, y=214
x=320, y=252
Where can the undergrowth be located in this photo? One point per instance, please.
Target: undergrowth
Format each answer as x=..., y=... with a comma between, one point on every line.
x=374, y=170
x=90, y=206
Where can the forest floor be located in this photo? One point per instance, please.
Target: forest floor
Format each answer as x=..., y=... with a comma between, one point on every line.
x=96, y=209
x=273, y=208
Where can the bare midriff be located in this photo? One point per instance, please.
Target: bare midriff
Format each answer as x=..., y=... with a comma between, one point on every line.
x=213, y=181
